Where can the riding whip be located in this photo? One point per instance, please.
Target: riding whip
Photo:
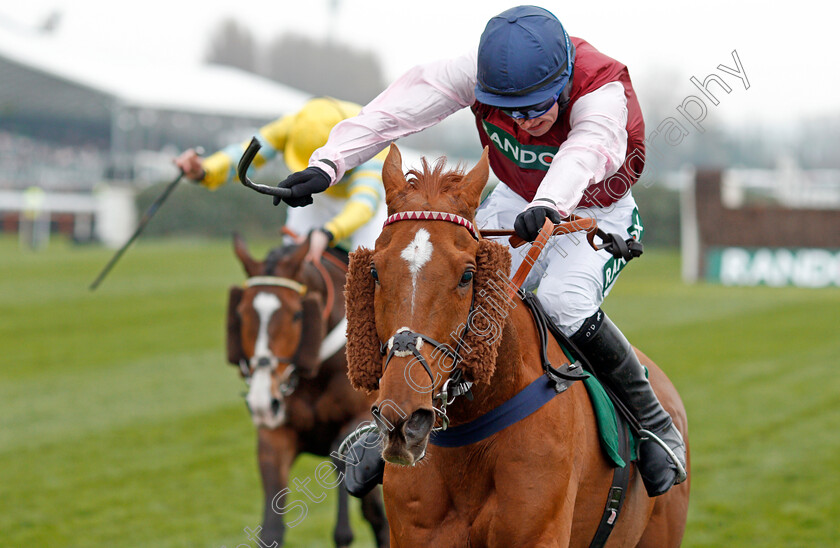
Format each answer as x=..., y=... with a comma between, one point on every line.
x=242, y=170
x=146, y=216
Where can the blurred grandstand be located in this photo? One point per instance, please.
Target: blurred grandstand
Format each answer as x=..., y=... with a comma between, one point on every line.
x=91, y=128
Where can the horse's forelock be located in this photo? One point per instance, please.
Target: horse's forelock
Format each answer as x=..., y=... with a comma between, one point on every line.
x=433, y=187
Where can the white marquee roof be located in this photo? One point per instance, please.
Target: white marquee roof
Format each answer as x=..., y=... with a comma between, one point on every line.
x=33, y=67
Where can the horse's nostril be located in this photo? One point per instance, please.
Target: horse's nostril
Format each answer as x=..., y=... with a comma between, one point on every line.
x=263, y=362
x=275, y=405
x=377, y=419
x=419, y=424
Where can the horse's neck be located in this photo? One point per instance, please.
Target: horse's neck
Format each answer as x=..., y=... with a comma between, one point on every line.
x=517, y=364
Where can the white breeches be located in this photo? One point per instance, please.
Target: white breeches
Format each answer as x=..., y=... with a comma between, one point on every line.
x=571, y=278
x=323, y=208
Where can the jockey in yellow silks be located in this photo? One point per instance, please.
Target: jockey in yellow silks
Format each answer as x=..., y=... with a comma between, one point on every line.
x=348, y=214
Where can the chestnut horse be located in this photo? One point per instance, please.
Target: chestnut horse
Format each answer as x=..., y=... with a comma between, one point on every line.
x=286, y=333
x=431, y=287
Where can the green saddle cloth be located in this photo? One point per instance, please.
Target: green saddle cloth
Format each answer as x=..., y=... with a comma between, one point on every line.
x=606, y=418
x=605, y=415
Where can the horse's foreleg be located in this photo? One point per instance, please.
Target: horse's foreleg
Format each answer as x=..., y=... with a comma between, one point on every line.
x=374, y=513
x=342, y=534
x=276, y=450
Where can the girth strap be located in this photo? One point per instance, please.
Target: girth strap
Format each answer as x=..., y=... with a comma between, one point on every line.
x=615, y=497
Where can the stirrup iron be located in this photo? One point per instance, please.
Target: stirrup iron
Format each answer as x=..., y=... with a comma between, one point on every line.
x=648, y=435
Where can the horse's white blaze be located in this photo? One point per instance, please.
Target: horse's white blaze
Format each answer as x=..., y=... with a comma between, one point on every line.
x=259, y=399
x=417, y=254
x=265, y=305
x=259, y=392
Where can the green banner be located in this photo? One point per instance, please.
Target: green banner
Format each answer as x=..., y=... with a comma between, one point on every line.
x=776, y=267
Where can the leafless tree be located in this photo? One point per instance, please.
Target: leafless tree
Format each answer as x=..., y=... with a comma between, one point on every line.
x=324, y=68
x=234, y=45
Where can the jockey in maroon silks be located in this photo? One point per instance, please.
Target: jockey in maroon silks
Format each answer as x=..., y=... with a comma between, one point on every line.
x=565, y=136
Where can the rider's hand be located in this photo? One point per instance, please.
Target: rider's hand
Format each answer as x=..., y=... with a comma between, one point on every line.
x=304, y=184
x=528, y=223
x=318, y=241
x=190, y=163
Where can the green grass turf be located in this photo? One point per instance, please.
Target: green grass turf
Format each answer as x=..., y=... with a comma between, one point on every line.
x=123, y=426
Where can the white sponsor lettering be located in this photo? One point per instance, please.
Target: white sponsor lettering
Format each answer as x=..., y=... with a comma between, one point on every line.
x=780, y=267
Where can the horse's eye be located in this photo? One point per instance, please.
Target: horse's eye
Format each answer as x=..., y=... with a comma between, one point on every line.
x=373, y=273
x=297, y=315
x=466, y=278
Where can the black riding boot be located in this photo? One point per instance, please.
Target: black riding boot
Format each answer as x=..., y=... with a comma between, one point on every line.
x=662, y=463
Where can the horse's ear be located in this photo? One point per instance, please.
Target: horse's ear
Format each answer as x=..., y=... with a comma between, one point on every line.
x=364, y=360
x=393, y=177
x=491, y=306
x=252, y=266
x=307, y=360
x=235, y=354
x=474, y=182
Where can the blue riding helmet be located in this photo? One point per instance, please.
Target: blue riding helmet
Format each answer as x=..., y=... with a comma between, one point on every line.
x=525, y=58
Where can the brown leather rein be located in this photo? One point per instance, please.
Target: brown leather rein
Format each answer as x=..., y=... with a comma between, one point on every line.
x=319, y=266
x=549, y=229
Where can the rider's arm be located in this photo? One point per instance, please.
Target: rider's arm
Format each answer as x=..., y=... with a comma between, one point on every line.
x=219, y=168
x=365, y=195
x=419, y=99
x=594, y=150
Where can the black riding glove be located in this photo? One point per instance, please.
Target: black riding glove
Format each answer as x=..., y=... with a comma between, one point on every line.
x=304, y=184
x=528, y=223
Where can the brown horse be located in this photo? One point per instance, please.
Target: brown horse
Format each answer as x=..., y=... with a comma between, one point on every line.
x=286, y=333
x=424, y=305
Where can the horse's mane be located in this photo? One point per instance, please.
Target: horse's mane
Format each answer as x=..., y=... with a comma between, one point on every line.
x=277, y=254
x=432, y=185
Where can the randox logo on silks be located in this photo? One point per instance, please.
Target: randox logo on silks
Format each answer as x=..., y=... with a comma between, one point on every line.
x=525, y=156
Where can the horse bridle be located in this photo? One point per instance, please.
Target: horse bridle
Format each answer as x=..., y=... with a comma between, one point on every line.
x=290, y=378
x=406, y=342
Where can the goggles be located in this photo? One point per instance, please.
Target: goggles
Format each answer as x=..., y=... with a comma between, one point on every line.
x=535, y=111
